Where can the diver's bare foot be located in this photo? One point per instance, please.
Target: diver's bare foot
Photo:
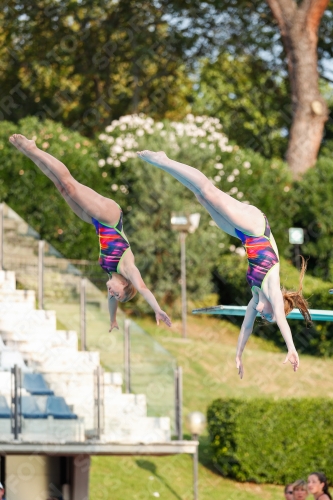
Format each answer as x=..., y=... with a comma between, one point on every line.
x=23, y=144
x=152, y=157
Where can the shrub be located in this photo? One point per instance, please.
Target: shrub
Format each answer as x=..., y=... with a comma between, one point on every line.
x=267, y=441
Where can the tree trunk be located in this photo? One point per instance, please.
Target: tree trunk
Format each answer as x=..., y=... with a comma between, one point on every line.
x=299, y=26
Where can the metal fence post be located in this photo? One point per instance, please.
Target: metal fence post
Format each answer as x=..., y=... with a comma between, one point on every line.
x=99, y=401
x=41, y=245
x=127, y=356
x=83, y=315
x=183, y=281
x=16, y=406
x=1, y=235
x=179, y=402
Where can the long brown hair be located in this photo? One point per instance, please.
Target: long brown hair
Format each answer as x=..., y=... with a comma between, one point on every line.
x=322, y=479
x=295, y=299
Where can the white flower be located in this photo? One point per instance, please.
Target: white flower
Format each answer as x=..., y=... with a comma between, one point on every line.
x=246, y=164
x=101, y=163
x=117, y=149
x=108, y=129
x=212, y=223
x=240, y=195
x=156, y=494
x=114, y=187
x=217, y=178
x=140, y=132
x=116, y=163
x=286, y=189
x=232, y=248
x=221, y=245
x=101, y=137
x=219, y=166
x=230, y=178
x=109, y=161
x=123, y=158
x=240, y=251
x=235, y=171
x=211, y=146
x=159, y=125
x=202, y=145
x=163, y=133
x=123, y=126
x=249, y=172
x=233, y=190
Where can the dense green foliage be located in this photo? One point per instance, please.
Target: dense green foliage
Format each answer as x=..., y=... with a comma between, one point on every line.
x=268, y=441
x=247, y=97
x=88, y=62
x=85, y=63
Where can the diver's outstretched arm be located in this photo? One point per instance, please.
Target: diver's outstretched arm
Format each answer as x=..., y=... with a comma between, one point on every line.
x=245, y=332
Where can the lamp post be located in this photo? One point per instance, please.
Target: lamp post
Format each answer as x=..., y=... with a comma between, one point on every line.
x=184, y=223
x=196, y=422
x=296, y=238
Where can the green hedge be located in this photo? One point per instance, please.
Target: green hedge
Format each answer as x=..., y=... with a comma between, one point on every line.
x=269, y=441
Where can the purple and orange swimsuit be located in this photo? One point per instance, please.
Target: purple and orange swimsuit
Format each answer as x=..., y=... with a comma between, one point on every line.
x=112, y=243
x=260, y=255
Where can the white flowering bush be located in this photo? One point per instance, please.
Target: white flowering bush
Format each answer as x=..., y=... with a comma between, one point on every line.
x=200, y=142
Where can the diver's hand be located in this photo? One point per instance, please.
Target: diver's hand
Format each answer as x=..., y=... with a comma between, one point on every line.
x=293, y=358
x=239, y=365
x=162, y=316
x=113, y=325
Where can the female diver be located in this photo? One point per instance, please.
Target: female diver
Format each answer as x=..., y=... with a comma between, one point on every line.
x=250, y=225
x=116, y=256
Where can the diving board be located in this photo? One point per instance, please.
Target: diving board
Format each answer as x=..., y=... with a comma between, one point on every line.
x=316, y=314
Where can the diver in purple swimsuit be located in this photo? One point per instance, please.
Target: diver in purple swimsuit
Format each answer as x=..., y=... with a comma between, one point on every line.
x=250, y=225
x=116, y=256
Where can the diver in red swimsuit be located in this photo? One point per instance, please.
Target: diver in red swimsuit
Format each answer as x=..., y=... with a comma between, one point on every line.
x=250, y=225
x=116, y=256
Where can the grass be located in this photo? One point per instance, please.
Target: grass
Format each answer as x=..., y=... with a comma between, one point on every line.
x=207, y=359
x=140, y=478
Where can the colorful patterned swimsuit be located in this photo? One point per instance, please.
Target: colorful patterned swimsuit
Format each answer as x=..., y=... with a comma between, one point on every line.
x=113, y=244
x=260, y=255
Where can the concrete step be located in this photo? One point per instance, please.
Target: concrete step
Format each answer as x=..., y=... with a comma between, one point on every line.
x=61, y=361
x=14, y=307
x=124, y=405
x=7, y=280
x=9, y=358
x=19, y=296
x=27, y=321
x=138, y=430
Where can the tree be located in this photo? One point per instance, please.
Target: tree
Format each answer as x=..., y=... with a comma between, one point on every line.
x=257, y=28
x=248, y=98
x=299, y=25
x=84, y=63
